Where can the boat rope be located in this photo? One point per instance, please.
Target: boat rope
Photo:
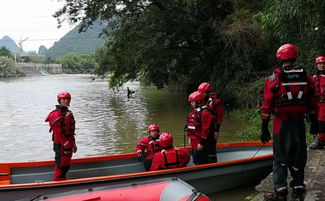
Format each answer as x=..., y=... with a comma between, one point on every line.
x=252, y=158
x=259, y=149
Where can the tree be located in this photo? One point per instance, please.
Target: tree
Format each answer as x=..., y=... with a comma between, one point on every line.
x=176, y=42
x=35, y=58
x=73, y=63
x=299, y=22
x=5, y=52
x=7, y=67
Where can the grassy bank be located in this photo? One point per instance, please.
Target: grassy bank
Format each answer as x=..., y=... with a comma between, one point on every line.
x=253, y=130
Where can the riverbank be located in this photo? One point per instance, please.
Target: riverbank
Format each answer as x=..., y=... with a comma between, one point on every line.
x=314, y=179
x=30, y=69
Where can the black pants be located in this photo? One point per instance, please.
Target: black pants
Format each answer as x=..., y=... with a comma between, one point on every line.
x=200, y=157
x=212, y=152
x=290, y=152
x=147, y=162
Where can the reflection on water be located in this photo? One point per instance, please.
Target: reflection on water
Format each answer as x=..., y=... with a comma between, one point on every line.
x=107, y=121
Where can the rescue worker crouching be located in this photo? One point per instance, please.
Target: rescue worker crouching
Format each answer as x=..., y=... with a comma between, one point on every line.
x=200, y=129
x=169, y=156
x=318, y=120
x=148, y=146
x=214, y=105
x=62, y=123
x=288, y=95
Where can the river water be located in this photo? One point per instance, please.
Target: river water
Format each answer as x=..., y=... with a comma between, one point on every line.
x=107, y=121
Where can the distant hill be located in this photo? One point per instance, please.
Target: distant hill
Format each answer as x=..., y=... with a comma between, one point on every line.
x=83, y=43
x=42, y=50
x=9, y=43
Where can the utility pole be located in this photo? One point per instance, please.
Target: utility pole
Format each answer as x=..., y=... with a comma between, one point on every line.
x=21, y=44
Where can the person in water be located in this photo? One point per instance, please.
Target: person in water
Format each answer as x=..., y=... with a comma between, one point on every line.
x=62, y=124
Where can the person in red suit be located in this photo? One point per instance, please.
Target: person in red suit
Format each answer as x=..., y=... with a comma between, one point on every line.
x=200, y=127
x=169, y=156
x=318, y=121
x=288, y=94
x=148, y=146
x=62, y=123
x=214, y=104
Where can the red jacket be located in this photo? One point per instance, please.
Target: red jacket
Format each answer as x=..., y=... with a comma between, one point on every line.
x=204, y=122
x=148, y=146
x=288, y=94
x=319, y=83
x=170, y=158
x=62, y=124
x=215, y=105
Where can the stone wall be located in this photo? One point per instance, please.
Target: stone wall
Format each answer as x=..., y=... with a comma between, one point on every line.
x=35, y=68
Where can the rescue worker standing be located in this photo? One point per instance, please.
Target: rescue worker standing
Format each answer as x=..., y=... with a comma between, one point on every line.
x=169, y=156
x=148, y=146
x=318, y=121
x=214, y=104
x=200, y=129
x=288, y=95
x=62, y=124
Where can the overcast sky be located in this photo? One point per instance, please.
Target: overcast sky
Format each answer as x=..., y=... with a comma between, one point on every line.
x=32, y=19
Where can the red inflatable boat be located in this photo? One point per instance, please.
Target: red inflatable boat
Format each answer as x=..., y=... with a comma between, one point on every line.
x=168, y=189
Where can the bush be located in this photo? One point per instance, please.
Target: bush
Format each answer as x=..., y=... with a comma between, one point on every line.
x=253, y=130
x=77, y=64
x=8, y=68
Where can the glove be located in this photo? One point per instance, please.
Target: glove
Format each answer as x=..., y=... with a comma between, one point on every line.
x=265, y=137
x=313, y=125
x=140, y=157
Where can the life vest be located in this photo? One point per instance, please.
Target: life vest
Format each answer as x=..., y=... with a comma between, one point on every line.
x=64, y=119
x=153, y=145
x=319, y=81
x=171, y=158
x=193, y=123
x=148, y=146
x=213, y=102
x=292, y=90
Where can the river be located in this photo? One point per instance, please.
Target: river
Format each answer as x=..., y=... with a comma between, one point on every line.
x=107, y=121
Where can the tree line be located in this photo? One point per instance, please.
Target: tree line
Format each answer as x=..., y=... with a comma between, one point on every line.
x=182, y=43
x=71, y=63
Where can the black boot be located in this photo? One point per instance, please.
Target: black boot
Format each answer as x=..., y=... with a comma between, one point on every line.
x=274, y=197
x=298, y=195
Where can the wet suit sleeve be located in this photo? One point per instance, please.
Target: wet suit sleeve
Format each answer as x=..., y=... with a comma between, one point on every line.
x=141, y=146
x=266, y=108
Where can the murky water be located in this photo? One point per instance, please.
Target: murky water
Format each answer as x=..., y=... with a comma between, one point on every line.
x=107, y=121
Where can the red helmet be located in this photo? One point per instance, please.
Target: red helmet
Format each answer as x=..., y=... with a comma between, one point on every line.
x=204, y=87
x=286, y=52
x=320, y=59
x=153, y=127
x=195, y=96
x=166, y=139
x=63, y=94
